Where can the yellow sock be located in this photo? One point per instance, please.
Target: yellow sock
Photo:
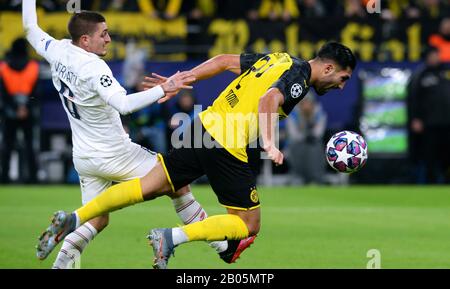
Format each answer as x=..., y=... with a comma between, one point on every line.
x=217, y=228
x=116, y=197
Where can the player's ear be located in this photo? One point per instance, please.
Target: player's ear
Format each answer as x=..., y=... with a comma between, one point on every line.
x=329, y=68
x=84, y=40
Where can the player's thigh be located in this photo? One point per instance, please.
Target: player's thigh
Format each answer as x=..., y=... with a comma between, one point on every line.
x=138, y=162
x=156, y=183
x=91, y=183
x=181, y=164
x=231, y=179
x=135, y=163
x=181, y=167
x=92, y=186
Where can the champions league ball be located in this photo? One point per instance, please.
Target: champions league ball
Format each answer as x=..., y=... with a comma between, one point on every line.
x=346, y=152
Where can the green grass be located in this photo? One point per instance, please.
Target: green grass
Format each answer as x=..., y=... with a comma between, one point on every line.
x=302, y=227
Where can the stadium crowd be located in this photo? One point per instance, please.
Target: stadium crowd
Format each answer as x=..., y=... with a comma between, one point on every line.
x=152, y=127
x=255, y=9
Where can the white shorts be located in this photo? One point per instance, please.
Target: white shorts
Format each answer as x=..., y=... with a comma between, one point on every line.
x=98, y=174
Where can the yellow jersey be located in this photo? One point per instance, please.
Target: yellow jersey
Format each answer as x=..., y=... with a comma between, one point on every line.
x=232, y=120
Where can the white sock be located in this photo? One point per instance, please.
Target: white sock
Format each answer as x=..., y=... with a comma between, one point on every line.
x=190, y=211
x=77, y=220
x=179, y=236
x=74, y=244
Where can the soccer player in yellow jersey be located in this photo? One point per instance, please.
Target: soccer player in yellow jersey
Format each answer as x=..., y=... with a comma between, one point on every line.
x=267, y=85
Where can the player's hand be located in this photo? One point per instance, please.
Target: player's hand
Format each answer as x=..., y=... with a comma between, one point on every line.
x=275, y=155
x=154, y=80
x=175, y=83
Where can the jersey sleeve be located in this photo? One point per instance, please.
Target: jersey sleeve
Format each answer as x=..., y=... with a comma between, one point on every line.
x=248, y=59
x=45, y=45
x=293, y=84
x=103, y=82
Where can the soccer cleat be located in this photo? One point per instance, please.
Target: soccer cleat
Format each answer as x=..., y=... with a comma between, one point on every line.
x=62, y=224
x=235, y=249
x=162, y=243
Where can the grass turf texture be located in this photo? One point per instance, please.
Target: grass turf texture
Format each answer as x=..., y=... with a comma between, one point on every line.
x=302, y=227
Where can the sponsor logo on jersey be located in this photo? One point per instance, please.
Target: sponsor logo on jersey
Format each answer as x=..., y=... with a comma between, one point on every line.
x=232, y=98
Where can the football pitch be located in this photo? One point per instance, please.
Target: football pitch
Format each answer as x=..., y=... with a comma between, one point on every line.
x=302, y=227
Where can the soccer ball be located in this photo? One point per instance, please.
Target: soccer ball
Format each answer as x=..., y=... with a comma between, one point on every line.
x=346, y=152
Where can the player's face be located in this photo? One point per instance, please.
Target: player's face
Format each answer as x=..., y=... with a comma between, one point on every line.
x=333, y=77
x=99, y=40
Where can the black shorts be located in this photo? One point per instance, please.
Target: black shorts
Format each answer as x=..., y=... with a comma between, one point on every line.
x=231, y=179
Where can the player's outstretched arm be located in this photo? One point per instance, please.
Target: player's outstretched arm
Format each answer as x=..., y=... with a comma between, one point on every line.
x=175, y=83
x=217, y=65
x=207, y=69
x=35, y=35
x=126, y=104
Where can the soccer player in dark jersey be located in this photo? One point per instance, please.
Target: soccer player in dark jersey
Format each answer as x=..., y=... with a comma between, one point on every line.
x=267, y=85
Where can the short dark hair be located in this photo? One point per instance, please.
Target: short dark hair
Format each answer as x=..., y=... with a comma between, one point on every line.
x=19, y=47
x=84, y=23
x=339, y=53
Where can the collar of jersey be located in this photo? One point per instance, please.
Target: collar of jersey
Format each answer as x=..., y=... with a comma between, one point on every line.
x=83, y=51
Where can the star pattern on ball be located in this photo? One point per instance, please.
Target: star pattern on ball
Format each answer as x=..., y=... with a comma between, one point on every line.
x=343, y=156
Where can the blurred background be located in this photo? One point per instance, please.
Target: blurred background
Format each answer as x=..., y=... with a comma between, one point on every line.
x=398, y=97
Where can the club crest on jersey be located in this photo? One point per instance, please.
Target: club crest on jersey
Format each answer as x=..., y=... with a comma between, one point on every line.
x=105, y=81
x=296, y=90
x=254, y=196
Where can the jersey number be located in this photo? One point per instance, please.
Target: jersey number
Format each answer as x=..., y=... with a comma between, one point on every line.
x=259, y=71
x=65, y=93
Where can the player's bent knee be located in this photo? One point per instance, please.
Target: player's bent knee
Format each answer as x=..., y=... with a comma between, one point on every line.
x=253, y=228
x=253, y=225
x=251, y=218
x=155, y=183
x=100, y=223
x=181, y=192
